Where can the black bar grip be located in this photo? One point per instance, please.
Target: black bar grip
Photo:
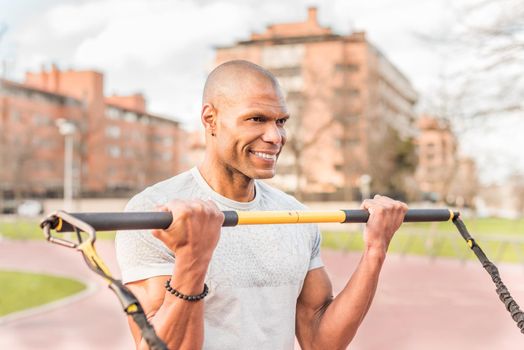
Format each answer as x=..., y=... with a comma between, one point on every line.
x=162, y=220
x=413, y=215
x=132, y=220
x=230, y=218
x=429, y=215
x=120, y=221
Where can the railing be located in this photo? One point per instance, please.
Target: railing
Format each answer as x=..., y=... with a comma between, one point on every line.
x=436, y=244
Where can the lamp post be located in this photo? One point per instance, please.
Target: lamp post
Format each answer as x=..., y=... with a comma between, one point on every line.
x=67, y=129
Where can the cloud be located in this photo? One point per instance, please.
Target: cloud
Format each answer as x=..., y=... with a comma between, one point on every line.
x=151, y=33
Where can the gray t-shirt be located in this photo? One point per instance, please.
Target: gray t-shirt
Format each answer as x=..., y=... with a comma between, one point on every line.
x=255, y=275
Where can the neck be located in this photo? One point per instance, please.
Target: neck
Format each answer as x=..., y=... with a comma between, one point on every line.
x=227, y=181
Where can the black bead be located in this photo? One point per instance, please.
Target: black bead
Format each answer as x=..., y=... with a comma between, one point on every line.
x=176, y=293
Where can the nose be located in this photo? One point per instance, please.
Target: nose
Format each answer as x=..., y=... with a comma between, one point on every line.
x=274, y=134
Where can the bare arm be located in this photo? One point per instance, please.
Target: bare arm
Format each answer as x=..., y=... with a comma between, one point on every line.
x=327, y=323
x=192, y=236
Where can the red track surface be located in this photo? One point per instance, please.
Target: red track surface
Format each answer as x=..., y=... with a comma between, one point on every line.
x=420, y=304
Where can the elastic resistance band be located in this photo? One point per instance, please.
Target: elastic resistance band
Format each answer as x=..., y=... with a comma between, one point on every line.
x=502, y=290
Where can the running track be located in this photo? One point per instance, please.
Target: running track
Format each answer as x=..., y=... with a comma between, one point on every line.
x=420, y=304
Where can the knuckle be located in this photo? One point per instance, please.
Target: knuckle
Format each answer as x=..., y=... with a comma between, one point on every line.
x=184, y=211
x=379, y=209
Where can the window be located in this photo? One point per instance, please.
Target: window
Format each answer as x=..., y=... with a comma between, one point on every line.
x=347, y=92
x=15, y=116
x=113, y=131
x=113, y=113
x=130, y=117
x=114, y=151
x=348, y=119
x=44, y=143
x=286, y=71
x=346, y=67
x=166, y=156
x=129, y=153
x=41, y=120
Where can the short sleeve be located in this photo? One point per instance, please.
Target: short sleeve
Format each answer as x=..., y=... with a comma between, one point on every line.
x=316, y=261
x=139, y=254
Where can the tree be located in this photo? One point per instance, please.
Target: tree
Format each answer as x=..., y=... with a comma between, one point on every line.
x=482, y=51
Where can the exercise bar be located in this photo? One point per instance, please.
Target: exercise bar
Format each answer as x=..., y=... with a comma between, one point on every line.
x=162, y=220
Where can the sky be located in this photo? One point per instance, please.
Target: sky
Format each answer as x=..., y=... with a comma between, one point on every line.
x=164, y=49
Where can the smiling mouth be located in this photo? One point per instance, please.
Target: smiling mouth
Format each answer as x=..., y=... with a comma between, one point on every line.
x=265, y=156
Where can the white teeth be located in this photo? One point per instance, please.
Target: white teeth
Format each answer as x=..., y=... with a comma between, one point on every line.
x=265, y=155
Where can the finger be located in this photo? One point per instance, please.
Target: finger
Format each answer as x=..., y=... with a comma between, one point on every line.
x=161, y=207
x=174, y=205
x=386, y=201
x=366, y=203
x=157, y=233
x=403, y=206
x=212, y=204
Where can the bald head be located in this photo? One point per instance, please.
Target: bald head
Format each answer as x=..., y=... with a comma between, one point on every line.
x=233, y=77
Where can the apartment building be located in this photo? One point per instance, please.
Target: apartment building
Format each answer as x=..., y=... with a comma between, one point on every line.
x=351, y=108
x=118, y=147
x=442, y=174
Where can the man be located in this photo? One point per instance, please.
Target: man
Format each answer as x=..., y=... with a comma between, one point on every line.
x=265, y=283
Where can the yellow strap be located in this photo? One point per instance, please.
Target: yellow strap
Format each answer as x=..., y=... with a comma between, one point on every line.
x=90, y=252
x=59, y=225
x=289, y=217
x=132, y=308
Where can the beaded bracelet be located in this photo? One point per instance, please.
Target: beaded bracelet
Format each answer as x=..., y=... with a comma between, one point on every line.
x=186, y=297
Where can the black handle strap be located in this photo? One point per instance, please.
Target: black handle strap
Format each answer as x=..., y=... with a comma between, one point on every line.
x=502, y=290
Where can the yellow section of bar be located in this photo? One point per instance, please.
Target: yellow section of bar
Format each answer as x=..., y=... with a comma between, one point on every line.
x=289, y=217
x=451, y=215
x=321, y=216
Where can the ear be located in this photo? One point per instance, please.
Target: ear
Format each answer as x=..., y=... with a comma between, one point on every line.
x=209, y=117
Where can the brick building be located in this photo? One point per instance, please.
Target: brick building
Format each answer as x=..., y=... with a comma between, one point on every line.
x=351, y=109
x=119, y=147
x=441, y=174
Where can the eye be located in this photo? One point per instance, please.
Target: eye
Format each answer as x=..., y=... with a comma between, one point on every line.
x=281, y=121
x=258, y=119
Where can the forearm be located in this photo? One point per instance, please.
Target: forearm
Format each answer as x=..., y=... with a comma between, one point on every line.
x=178, y=322
x=338, y=323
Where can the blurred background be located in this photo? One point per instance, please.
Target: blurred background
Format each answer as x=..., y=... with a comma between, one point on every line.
x=418, y=100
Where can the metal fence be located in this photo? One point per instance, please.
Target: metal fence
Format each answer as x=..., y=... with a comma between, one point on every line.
x=437, y=244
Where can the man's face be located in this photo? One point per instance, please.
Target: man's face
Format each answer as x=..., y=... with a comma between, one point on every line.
x=250, y=131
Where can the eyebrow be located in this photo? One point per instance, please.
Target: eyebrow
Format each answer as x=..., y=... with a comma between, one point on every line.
x=261, y=113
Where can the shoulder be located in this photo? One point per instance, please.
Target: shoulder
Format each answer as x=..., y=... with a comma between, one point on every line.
x=279, y=199
x=179, y=186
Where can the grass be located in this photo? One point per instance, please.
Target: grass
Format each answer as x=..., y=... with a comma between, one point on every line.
x=501, y=239
x=27, y=229
x=21, y=290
